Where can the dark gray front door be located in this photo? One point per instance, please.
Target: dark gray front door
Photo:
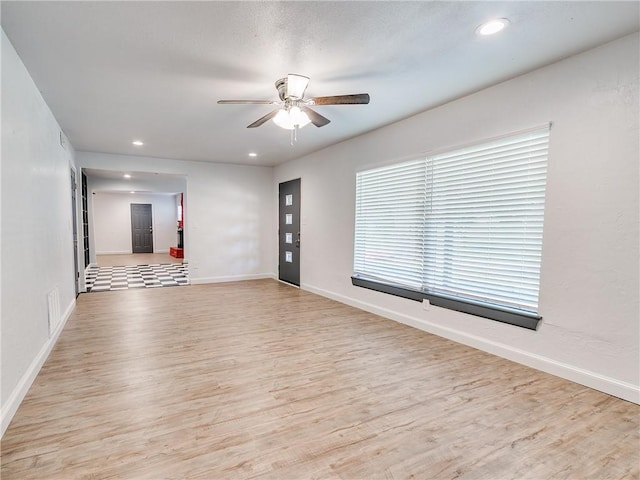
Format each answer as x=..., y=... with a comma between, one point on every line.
x=289, y=232
x=141, y=228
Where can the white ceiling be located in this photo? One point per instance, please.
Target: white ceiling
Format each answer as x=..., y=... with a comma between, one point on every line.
x=114, y=71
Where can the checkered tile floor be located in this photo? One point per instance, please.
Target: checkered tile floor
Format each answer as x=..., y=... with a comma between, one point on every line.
x=100, y=279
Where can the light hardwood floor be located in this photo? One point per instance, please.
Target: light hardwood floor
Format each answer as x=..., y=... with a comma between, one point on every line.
x=261, y=380
x=135, y=259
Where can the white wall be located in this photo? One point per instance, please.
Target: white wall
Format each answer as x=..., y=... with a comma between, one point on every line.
x=37, y=241
x=229, y=227
x=589, y=287
x=112, y=221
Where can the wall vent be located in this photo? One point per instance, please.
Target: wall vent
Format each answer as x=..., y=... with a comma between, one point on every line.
x=53, y=304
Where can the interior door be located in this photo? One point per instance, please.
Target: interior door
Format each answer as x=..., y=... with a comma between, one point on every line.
x=289, y=232
x=141, y=228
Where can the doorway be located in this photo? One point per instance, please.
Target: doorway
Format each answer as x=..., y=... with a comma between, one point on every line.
x=141, y=228
x=289, y=232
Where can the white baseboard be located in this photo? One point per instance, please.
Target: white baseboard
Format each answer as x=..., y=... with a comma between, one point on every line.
x=602, y=383
x=20, y=391
x=230, y=278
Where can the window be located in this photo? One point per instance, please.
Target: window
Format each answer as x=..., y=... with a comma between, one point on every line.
x=462, y=228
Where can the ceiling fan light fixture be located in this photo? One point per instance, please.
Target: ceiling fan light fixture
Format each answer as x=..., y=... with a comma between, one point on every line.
x=291, y=119
x=283, y=120
x=298, y=117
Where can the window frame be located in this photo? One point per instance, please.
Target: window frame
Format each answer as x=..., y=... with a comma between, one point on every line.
x=501, y=313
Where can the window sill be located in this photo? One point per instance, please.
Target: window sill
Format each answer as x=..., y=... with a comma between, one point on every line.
x=518, y=319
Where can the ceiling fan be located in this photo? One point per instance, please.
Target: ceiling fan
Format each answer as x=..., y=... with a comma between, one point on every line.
x=294, y=111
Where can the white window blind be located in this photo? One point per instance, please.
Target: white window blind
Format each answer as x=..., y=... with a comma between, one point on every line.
x=390, y=209
x=465, y=224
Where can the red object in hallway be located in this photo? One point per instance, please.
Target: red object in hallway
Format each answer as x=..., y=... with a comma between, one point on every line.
x=176, y=252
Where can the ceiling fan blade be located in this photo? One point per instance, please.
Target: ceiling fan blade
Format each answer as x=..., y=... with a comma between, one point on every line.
x=264, y=119
x=244, y=102
x=317, y=119
x=357, y=99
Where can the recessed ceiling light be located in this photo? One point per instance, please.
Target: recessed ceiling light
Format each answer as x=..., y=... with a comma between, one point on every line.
x=132, y=192
x=492, y=26
x=138, y=143
x=126, y=175
x=252, y=154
